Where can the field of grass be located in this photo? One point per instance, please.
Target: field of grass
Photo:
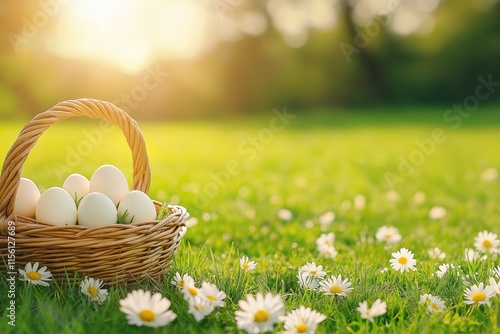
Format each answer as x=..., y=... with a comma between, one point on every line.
x=234, y=176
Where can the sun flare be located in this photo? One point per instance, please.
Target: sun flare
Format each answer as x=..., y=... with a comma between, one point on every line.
x=129, y=33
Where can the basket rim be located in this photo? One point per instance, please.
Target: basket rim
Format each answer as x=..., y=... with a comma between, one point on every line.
x=175, y=210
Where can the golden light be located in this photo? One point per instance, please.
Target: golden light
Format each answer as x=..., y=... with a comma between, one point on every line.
x=183, y=27
x=128, y=33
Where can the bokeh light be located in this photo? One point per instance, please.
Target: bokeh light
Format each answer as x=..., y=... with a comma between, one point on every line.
x=129, y=33
x=235, y=56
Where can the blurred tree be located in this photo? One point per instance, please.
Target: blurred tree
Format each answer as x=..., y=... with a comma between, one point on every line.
x=303, y=67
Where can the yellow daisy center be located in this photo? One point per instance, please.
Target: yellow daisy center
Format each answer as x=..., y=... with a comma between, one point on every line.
x=388, y=235
x=33, y=275
x=301, y=328
x=402, y=260
x=245, y=265
x=199, y=308
x=335, y=289
x=147, y=315
x=487, y=243
x=92, y=291
x=261, y=316
x=434, y=306
x=314, y=272
x=181, y=283
x=193, y=291
x=478, y=297
x=211, y=297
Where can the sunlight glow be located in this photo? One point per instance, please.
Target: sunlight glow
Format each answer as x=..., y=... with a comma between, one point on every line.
x=130, y=34
x=127, y=33
x=183, y=28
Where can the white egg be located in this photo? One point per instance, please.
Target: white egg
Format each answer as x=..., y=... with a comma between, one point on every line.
x=109, y=181
x=97, y=209
x=56, y=206
x=26, y=198
x=76, y=185
x=138, y=206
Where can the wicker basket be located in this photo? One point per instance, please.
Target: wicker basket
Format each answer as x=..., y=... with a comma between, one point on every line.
x=115, y=253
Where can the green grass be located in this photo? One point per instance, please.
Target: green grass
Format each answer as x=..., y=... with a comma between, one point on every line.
x=318, y=163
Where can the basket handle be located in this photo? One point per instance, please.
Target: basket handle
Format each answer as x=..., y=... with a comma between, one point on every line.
x=18, y=153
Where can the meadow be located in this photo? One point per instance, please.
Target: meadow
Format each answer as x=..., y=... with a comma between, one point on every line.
x=268, y=188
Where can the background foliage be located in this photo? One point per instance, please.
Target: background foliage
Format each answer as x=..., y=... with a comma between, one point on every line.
x=252, y=70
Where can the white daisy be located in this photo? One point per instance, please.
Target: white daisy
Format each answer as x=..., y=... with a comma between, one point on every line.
x=307, y=282
x=335, y=286
x=384, y=270
x=437, y=212
x=378, y=308
x=247, y=265
x=200, y=307
x=359, y=202
x=470, y=255
x=260, y=313
x=419, y=197
x=403, y=260
x=486, y=242
x=285, y=214
x=327, y=251
x=327, y=218
x=189, y=289
x=212, y=294
x=434, y=303
x=443, y=269
x=302, y=320
x=392, y=196
x=92, y=288
x=479, y=294
x=326, y=239
x=313, y=270
x=424, y=298
x=495, y=285
x=179, y=280
x=388, y=234
x=496, y=271
x=489, y=174
x=436, y=254
x=191, y=222
x=35, y=276
x=143, y=309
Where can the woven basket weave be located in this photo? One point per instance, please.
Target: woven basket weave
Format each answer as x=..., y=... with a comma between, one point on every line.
x=114, y=253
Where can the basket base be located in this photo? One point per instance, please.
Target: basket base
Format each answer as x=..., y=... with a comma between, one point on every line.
x=117, y=253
